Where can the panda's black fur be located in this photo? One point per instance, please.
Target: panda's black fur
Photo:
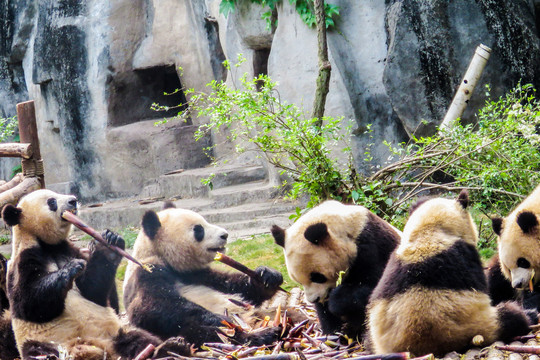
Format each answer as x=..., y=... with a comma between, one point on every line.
x=433, y=295
x=58, y=294
x=8, y=347
x=517, y=265
x=183, y=295
x=333, y=238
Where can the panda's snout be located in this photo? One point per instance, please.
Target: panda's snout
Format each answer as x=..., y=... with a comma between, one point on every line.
x=520, y=277
x=224, y=236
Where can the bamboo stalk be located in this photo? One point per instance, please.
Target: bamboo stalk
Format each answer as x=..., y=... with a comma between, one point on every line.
x=146, y=353
x=72, y=218
x=525, y=349
x=391, y=356
x=240, y=267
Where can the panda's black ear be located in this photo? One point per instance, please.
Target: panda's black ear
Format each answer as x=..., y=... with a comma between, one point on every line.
x=316, y=233
x=168, y=205
x=496, y=224
x=527, y=221
x=279, y=235
x=11, y=215
x=463, y=198
x=151, y=224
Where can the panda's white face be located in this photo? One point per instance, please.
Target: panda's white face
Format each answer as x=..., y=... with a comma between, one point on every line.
x=519, y=262
x=184, y=239
x=321, y=244
x=41, y=215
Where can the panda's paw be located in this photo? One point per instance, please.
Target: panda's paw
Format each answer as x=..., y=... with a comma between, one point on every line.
x=73, y=269
x=272, y=278
x=114, y=239
x=175, y=345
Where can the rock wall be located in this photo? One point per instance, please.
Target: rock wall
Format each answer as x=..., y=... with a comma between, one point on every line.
x=94, y=68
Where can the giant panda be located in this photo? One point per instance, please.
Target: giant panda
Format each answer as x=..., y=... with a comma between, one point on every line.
x=8, y=347
x=433, y=296
x=183, y=295
x=334, y=240
x=57, y=294
x=517, y=264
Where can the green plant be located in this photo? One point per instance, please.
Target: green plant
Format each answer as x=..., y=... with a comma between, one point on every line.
x=304, y=8
x=497, y=159
x=257, y=120
x=260, y=250
x=7, y=128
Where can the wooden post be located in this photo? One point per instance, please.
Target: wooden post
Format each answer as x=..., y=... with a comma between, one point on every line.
x=26, y=115
x=465, y=90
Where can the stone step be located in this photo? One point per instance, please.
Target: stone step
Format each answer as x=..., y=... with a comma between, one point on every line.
x=256, y=226
x=249, y=211
x=247, y=204
x=245, y=193
x=187, y=184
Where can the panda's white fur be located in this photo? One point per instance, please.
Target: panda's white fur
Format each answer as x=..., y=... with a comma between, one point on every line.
x=328, y=241
x=184, y=295
x=432, y=297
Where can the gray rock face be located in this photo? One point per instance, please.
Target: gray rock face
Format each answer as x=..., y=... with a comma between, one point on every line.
x=95, y=67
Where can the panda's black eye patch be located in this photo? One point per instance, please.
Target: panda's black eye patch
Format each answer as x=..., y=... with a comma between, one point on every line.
x=53, y=205
x=523, y=263
x=317, y=278
x=198, y=231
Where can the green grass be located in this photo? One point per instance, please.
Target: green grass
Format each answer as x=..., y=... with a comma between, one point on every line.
x=261, y=250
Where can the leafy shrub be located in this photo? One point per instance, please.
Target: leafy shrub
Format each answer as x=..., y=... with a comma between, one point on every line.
x=304, y=8
x=258, y=120
x=497, y=159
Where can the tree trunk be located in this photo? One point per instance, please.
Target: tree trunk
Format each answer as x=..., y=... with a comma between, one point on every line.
x=323, y=79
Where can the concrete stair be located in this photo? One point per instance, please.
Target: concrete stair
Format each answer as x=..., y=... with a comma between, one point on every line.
x=241, y=201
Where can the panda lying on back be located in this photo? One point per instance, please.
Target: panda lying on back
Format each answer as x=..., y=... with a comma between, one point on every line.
x=56, y=293
x=333, y=238
x=432, y=297
x=518, y=260
x=183, y=295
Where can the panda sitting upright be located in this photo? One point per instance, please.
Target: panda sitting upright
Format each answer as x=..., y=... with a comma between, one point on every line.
x=517, y=264
x=330, y=239
x=56, y=294
x=183, y=295
x=433, y=297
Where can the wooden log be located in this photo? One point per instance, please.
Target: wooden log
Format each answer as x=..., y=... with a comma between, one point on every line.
x=16, y=150
x=17, y=179
x=26, y=115
x=13, y=195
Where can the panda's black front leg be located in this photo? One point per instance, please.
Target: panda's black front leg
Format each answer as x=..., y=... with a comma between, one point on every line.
x=98, y=280
x=348, y=300
x=329, y=322
x=36, y=294
x=254, y=291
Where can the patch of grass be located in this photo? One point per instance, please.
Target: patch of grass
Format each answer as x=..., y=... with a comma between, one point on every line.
x=260, y=250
